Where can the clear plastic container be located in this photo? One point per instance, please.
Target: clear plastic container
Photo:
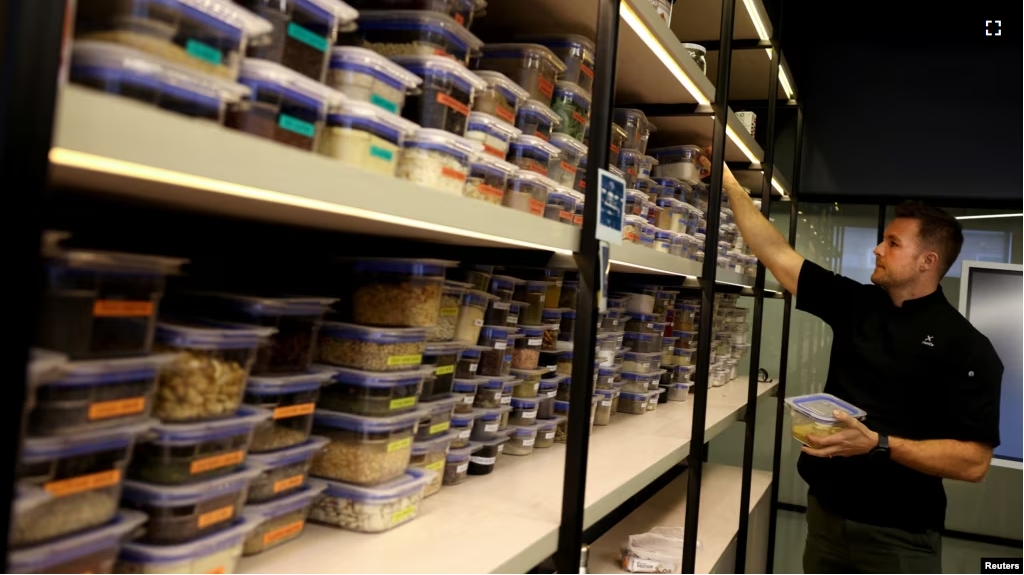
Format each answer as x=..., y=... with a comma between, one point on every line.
x=604, y=399
x=654, y=398
x=489, y=392
x=643, y=342
x=365, y=76
x=618, y=141
x=372, y=509
x=633, y=403
x=526, y=349
x=686, y=339
x=567, y=328
x=671, y=216
x=284, y=105
x=94, y=394
x=456, y=467
x=679, y=391
x=435, y=418
x=646, y=164
x=431, y=455
x=365, y=136
x=567, y=300
x=282, y=472
x=134, y=74
x=697, y=52
x=93, y=551
x=206, y=35
x=280, y=521
x=572, y=104
x=534, y=294
x=363, y=450
x=472, y=311
x=101, y=304
x=442, y=360
x=528, y=381
x=521, y=440
x=398, y=292
x=638, y=362
x=69, y=484
x=576, y=52
x=812, y=415
x=482, y=462
x=680, y=162
x=372, y=348
x=546, y=430
x=445, y=99
x=401, y=33
x=639, y=382
x=372, y=393
x=497, y=359
x=303, y=33
x=462, y=11
x=183, y=513
x=524, y=411
x=291, y=400
x=533, y=154
x=465, y=391
x=175, y=454
x=642, y=323
x=638, y=129
x=493, y=133
x=571, y=151
x=207, y=377
x=683, y=373
x=501, y=98
x=536, y=118
x=629, y=163
x=216, y=553
x=489, y=423
x=436, y=159
x=462, y=429
x=488, y=178
x=532, y=66
x=528, y=192
x=607, y=377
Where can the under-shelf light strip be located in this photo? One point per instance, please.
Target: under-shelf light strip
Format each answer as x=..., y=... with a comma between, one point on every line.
x=762, y=33
x=74, y=159
x=989, y=216
x=645, y=34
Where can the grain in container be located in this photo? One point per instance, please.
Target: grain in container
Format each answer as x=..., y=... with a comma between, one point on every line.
x=521, y=440
x=493, y=133
x=646, y=164
x=576, y=52
x=93, y=551
x=654, y=397
x=629, y=163
x=635, y=200
x=488, y=178
x=180, y=453
x=534, y=294
x=291, y=400
x=279, y=521
x=524, y=411
x=363, y=135
x=497, y=359
x=372, y=393
x=607, y=376
x=456, y=465
x=603, y=413
x=562, y=428
x=683, y=373
x=680, y=162
x=488, y=424
x=535, y=118
x=546, y=430
x=371, y=509
x=490, y=391
x=551, y=320
x=282, y=472
x=561, y=206
x=303, y=33
x=698, y=54
x=501, y=98
x=638, y=129
x=363, y=450
x=461, y=11
x=812, y=415
x=532, y=66
x=445, y=99
x=638, y=362
x=633, y=403
x=671, y=216
x=663, y=241
x=439, y=360
x=183, y=513
x=528, y=192
x=472, y=310
x=572, y=104
x=462, y=429
x=448, y=315
x=526, y=349
x=398, y=292
x=371, y=348
x=435, y=418
x=131, y=73
x=639, y=382
x=208, y=36
x=678, y=391
x=503, y=287
x=366, y=76
x=570, y=290
x=215, y=553
x=430, y=456
x=482, y=462
x=534, y=154
x=69, y=484
x=401, y=33
x=564, y=169
x=436, y=159
x=465, y=391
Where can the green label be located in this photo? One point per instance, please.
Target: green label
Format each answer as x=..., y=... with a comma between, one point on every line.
x=293, y=124
x=307, y=37
x=386, y=155
x=197, y=49
x=381, y=102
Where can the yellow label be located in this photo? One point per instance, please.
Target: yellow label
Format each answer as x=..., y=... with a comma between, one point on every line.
x=288, y=483
x=403, y=402
x=117, y=408
x=216, y=462
x=411, y=359
x=403, y=514
x=437, y=466
x=289, y=530
x=449, y=311
x=294, y=410
x=216, y=516
x=400, y=444
x=445, y=370
x=439, y=427
x=65, y=487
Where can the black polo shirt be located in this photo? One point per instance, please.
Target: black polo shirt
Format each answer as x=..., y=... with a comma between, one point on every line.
x=920, y=371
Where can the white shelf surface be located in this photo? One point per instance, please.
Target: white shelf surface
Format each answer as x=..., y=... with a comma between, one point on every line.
x=718, y=523
x=507, y=522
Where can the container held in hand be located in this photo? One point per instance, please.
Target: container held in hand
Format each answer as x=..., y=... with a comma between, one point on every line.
x=812, y=415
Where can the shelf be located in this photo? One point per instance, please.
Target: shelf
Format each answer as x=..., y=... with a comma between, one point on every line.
x=718, y=523
x=507, y=522
x=749, y=75
x=699, y=21
x=752, y=177
x=633, y=258
x=699, y=130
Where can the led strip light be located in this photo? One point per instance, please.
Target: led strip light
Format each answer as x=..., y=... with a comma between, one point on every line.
x=634, y=22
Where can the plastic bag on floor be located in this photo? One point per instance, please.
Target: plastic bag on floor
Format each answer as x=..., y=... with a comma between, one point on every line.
x=659, y=551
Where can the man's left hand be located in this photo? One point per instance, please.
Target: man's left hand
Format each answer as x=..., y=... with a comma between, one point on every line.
x=855, y=439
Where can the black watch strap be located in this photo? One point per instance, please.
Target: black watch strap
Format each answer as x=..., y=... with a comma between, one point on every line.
x=881, y=450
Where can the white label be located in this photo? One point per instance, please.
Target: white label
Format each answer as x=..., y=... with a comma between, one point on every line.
x=484, y=460
x=606, y=403
x=500, y=344
x=528, y=442
x=513, y=318
x=542, y=296
x=558, y=283
x=467, y=399
x=549, y=435
x=490, y=427
x=506, y=399
x=501, y=448
x=461, y=468
x=500, y=305
x=551, y=393
x=643, y=405
x=637, y=565
x=529, y=414
x=534, y=341
x=464, y=434
x=478, y=322
x=472, y=367
x=615, y=322
x=650, y=326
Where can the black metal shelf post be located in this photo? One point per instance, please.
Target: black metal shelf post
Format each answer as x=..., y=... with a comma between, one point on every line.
x=570, y=530
x=707, y=308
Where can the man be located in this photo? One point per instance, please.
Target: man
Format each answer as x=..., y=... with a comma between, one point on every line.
x=927, y=379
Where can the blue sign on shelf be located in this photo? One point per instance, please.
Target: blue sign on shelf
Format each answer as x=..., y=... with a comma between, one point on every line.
x=612, y=207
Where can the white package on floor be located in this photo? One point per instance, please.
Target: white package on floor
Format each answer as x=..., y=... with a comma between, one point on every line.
x=659, y=551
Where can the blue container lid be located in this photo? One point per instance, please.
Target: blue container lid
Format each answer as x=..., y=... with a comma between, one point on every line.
x=301, y=452
x=440, y=141
x=517, y=306
x=537, y=52
x=550, y=424
x=205, y=337
x=42, y=558
x=463, y=419
x=508, y=88
x=688, y=151
x=462, y=454
x=466, y=385
x=363, y=424
x=640, y=336
x=37, y=449
x=494, y=332
x=420, y=20
x=640, y=376
x=538, y=111
x=504, y=282
x=579, y=96
x=606, y=371
x=491, y=165
x=101, y=371
x=426, y=268
x=664, y=235
x=244, y=421
x=473, y=352
x=569, y=313
x=375, y=65
x=210, y=545
x=439, y=443
x=491, y=125
x=533, y=144
x=684, y=335
x=377, y=379
x=497, y=381
x=274, y=307
x=273, y=385
x=490, y=414
x=414, y=480
x=266, y=75
x=109, y=262
x=552, y=314
x=370, y=118
x=525, y=430
x=441, y=67
x=294, y=501
x=190, y=494
x=377, y=335
x=478, y=298
x=819, y=407
x=634, y=395
x=333, y=12
x=225, y=17
x=525, y=403
x=683, y=351
x=531, y=331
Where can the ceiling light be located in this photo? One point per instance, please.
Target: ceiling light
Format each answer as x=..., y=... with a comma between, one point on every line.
x=989, y=216
x=739, y=142
x=784, y=80
x=645, y=34
x=755, y=17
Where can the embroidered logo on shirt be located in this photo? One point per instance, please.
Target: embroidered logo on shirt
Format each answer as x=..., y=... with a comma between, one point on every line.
x=928, y=341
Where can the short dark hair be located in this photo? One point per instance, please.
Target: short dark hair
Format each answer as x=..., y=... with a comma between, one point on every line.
x=939, y=230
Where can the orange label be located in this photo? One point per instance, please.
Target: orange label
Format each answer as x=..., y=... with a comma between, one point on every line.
x=216, y=462
x=631, y=236
x=453, y=104
x=65, y=487
x=494, y=151
x=536, y=207
x=506, y=115
x=564, y=215
x=440, y=52
x=217, y=571
x=117, y=308
x=491, y=191
x=460, y=19
x=631, y=171
x=578, y=220
x=542, y=136
x=567, y=167
x=289, y=483
x=545, y=86
x=587, y=71
x=453, y=174
x=538, y=168
x=117, y=408
x=580, y=118
x=294, y=410
x=216, y=516
x=289, y=530
x=614, y=149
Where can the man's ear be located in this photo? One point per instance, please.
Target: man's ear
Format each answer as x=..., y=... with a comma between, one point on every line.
x=929, y=260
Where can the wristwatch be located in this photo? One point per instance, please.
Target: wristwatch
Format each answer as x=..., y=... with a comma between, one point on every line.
x=881, y=451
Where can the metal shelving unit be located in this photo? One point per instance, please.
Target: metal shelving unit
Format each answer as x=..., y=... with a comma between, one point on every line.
x=543, y=505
